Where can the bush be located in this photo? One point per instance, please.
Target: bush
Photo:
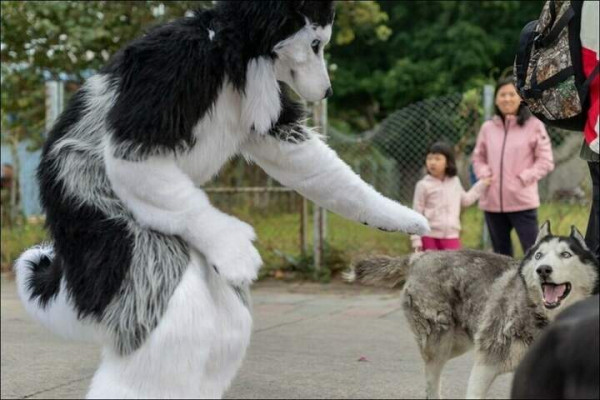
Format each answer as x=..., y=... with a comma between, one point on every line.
x=17, y=239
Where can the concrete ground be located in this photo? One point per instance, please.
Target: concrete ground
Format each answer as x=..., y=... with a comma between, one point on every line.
x=309, y=341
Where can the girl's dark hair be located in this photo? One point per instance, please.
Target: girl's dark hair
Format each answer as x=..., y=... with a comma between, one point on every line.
x=446, y=150
x=523, y=112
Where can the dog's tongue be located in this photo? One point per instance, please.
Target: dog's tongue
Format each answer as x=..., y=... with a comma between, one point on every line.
x=553, y=292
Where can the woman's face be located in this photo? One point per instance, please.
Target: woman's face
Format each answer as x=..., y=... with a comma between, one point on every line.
x=508, y=100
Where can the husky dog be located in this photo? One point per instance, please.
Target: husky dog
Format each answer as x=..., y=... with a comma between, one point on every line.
x=456, y=300
x=140, y=260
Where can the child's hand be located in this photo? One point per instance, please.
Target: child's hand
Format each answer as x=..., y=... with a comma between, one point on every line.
x=487, y=181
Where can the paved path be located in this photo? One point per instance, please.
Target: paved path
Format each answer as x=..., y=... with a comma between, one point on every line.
x=306, y=343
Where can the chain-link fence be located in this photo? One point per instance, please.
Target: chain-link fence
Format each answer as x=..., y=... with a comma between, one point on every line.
x=390, y=157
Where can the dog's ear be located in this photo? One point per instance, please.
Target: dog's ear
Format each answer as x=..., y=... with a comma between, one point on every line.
x=544, y=231
x=578, y=237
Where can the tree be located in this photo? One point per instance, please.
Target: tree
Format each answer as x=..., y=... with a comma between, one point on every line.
x=70, y=40
x=435, y=48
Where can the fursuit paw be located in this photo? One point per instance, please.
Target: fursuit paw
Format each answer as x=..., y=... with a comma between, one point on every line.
x=398, y=218
x=416, y=224
x=231, y=252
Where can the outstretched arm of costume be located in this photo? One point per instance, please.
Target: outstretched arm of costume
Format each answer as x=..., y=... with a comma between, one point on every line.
x=316, y=171
x=163, y=198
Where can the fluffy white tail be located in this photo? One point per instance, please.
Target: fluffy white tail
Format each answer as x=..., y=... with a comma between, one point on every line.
x=42, y=290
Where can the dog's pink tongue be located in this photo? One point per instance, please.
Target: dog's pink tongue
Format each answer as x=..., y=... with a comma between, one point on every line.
x=553, y=292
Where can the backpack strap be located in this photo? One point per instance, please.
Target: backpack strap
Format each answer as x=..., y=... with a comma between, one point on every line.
x=522, y=59
x=585, y=88
x=537, y=88
x=564, y=20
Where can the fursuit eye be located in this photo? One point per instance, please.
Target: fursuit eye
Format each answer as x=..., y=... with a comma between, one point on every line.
x=315, y=45
x=565, y=254
x=538, y=256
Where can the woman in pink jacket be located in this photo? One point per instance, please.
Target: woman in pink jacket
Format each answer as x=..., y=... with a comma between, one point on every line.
x=513, y=149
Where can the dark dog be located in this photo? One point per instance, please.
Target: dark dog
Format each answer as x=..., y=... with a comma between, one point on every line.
x=564, y=362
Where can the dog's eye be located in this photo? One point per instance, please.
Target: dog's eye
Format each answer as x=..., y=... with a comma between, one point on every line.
x=538, y=255
x=565, y=254
x=315, y=45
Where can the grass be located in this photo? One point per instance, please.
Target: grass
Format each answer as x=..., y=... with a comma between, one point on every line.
x=279, y=239
x=17, y=239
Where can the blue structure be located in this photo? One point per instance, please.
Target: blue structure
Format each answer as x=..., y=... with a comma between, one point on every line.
x=29, y=162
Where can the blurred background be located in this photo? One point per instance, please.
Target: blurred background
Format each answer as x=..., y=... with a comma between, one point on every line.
x=404, y=73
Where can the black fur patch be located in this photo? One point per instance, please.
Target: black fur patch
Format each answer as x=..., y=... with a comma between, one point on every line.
x=167, y=81
x=286, y=128
x=170, y=78
x=44, y=283
x=269, y=22
x=91, y=250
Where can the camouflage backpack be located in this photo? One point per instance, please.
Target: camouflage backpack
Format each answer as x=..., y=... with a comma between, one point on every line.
x=548, y=69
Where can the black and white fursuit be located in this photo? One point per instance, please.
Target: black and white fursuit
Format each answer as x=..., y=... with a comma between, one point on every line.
x=139, y=259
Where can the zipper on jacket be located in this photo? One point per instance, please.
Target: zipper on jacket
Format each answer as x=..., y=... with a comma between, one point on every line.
x=502, y=161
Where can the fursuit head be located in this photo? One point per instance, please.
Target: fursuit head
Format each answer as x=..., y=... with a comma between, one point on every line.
x=458, y=300
x=139, y=259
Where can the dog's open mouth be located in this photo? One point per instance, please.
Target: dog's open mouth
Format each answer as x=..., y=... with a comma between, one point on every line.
x=554, y=294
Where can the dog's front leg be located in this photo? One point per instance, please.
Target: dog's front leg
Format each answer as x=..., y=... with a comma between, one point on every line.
x=161, y=197
x=481, y=378
x=315, y=170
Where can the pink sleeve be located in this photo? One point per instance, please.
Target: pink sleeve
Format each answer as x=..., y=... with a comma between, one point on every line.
x=470, y=197
x=419, y=206
x=480, y=160
x=543, y=159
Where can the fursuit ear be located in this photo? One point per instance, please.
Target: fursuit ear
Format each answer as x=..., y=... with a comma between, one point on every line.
x=296, y=5
x=544, y=231
x=578, y=237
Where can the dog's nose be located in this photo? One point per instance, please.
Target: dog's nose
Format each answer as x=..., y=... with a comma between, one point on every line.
x=544, y=271
x=328, y=92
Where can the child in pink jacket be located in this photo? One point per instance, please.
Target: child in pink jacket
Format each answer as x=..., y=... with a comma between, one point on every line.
x=439, y=196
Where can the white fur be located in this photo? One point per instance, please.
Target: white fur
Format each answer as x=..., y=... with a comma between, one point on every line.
x=310, y=79
x=480, y=380
x=261, y=103
x=569, y=269
x=195, y=350
x=315, y=170
x=162, y=197
x=58, y=315
x=199, y=343
x=75, y=171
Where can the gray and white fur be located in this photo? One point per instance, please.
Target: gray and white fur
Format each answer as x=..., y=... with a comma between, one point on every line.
x=458, y=300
